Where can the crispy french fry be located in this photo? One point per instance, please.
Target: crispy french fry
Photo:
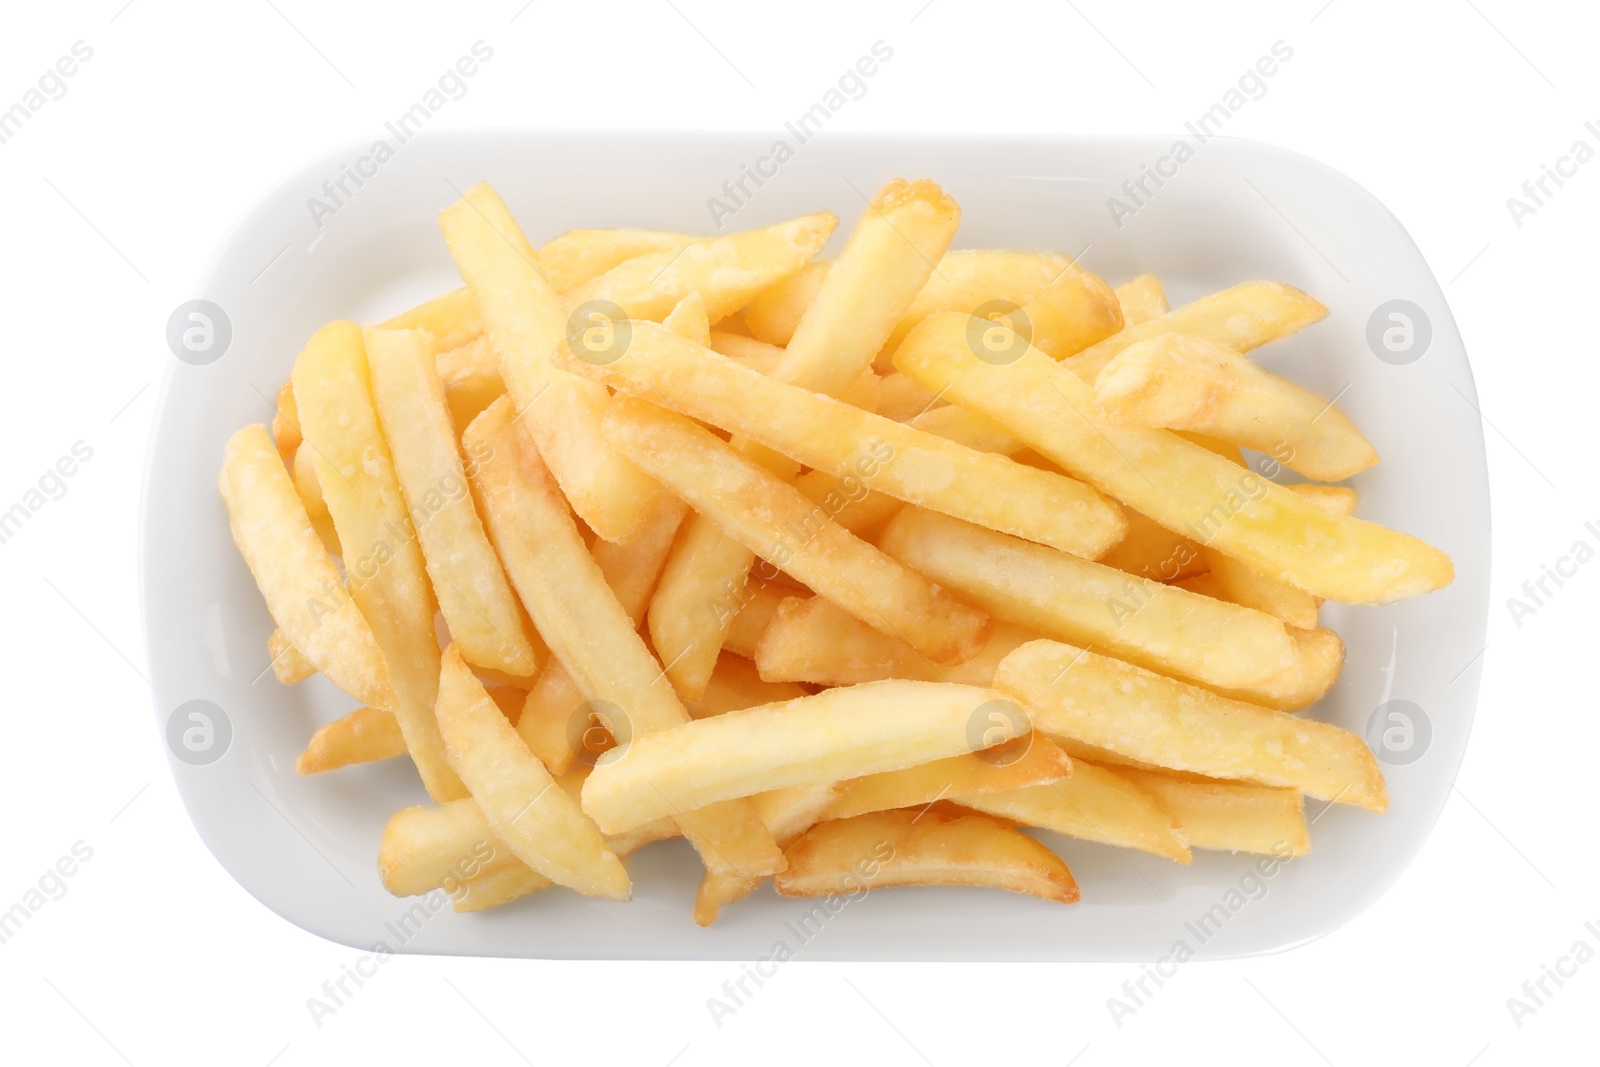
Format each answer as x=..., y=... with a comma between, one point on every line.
x=694, y=604
x=384, y=564
x=1176, y=483
x=895, y=459
x=736, y=685
x=450, y=320
x=1075, y=695
x=812, y=640
x=901, y=398
x=1179, y=382
x=590, y=633
x=1142, y=299
x=471, y=378
x=1094, y=804
x=1241, y=585
x=895, y=848
x=497, y=887
x=1152, y=551
x=1029, y=760
x=775, y=521
x=757, y=603
x=304, y=475
x=1158, y=626
x=579, y=256
x=370, y=735
x=1334, y=499
x=963, y=427
x=286, y=422
x=1077, y=310
x=485, y=621
x=848, y=501
x=1231, y=816
x=775, y=312
x=1242, y=318
x=288, y=665
x=788, y=813
x=526, y=322
x=835, y=734
x=688, y=320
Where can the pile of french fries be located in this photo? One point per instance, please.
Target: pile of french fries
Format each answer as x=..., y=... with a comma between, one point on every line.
x=850, y=572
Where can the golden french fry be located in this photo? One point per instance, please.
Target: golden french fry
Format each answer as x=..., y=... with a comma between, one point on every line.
x=1205, y=584
x=848, y=501
x=382, y=559
x=537, y=820
x=963, y=427
x=756, y=603
x=1158, y=626
x=835, y=734
x=301, y=585
x=304, y=475
x=894, y=848
x=1094, y=804
x=370, y=735
x=775, y=521
x=286, y=422
x=694, y=603
x=788, y=813
x=1241, y=585
x=482, y=613
x=726, y=271
x=888, y=259
x=1142, y=299
x=1152, y=551
x=1231, y=816
x=1179, y=382
x=526, y=322
x=451, y=320
x=588, y=631
x=1078, y=310
x=775, y=312
x=812, y=640
x=1178, y=484
x=471, y=378
x=895, y=459
x=578, y=256
x=901, y=398
x=1029, y=760
x=1075, y=695
x=1335, y=499
x=288, y=665
x=736, y=685
x=497, y=887
x=1242, y=318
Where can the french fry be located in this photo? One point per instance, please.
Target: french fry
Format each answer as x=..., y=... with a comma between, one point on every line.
x=688, y=320
x=1152, y=551
x=895, y=459
x=901, y=398
x=736, y=685
x=1242, y=318
x=775, y=312
x=848, y=501
x=1335, y=499
x=471, y=378
x=588, y=631
x=536, y=819
x=288, y=665
x=497, y=887
x=1179, y=382
x=835, y=734
x=757, y=603
x=963, y=427
x=1029, y=760
x=898, y=848
x=1094, y=804
x=286, y=422
x=787, y=813
x=726, y=271
x=1229, y=816
x=1241, y=585
x=484, y=618
x=1158, y=626
x=451, y=320
x=1178, y=484
x=526, y=322
x=695, y=601
x=812, y=640
x=775, y=521
x=304, y=475
x=579, y=256
x=300, y=584
x=1073, y=694
x=1078, y=310
x=382, y=560
x=757, y=355
x=370, y=735
x=1142, y=299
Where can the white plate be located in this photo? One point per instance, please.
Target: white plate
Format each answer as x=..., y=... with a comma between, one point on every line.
x=306, y=847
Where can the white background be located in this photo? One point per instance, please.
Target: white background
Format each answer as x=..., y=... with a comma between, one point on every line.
x=118, y=192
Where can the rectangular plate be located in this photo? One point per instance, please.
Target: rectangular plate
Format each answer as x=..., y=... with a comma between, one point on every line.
x=303, y=256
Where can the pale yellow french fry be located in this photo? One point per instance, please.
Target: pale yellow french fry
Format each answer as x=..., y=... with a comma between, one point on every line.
x=526, y=321
x=773, y=519
x=1077, y=310
x=370, y=735
x=1094, y=804
x=897, y=848
x=288, y=665
x=578, y=256
x=588, y=631
x=1336, y=499
x=1159, y=626
x=726, y=271
x=835, y=734
x=1179, y=382
x=1142, y=299
x=736, y=685
x=888, y=259
x=757, y=603
x=1075, y=695
x=1241, y=585
x=812, y=640
x=688, y=320
x=450, y=320
x=471, y=378
x=485, y=621
x=895, y=459
x=701, y=589
x=1152, y=551
x=1229, y=816
x=1242, y=318
x=758, y=355
x=309, y=489
x=1030, y=760
x=300, y=584
x=381, y=557
x=775, y=312
x=1178, y=484
x=286, y=422
x=963, y=427
x=902, y=398
x=848, y=501
x=497, y=887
